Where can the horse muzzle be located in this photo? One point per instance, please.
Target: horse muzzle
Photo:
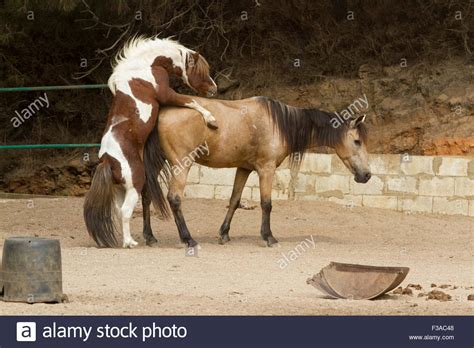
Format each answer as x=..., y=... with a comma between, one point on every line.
x=362, y=178
x=211, y=92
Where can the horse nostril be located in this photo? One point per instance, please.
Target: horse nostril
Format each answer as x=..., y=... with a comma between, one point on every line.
x=212, y=92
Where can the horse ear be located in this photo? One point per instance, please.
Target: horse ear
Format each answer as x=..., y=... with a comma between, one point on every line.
x=356, y=122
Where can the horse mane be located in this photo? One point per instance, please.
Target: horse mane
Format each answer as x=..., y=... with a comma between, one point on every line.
x=139, y=49
x=302, y=128
x=200, y=67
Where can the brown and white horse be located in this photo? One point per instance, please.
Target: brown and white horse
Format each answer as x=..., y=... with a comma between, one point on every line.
x=140, y=83
x=254, y=134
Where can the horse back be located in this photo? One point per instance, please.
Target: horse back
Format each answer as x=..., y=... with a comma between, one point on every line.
x=245, y=135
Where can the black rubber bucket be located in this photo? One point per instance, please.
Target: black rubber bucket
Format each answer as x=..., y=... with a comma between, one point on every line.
x=31, y=270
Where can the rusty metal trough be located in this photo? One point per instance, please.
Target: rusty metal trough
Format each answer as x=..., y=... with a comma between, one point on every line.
x=357, y=282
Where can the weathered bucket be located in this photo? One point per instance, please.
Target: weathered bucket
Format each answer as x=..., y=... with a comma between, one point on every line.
x=31, y=270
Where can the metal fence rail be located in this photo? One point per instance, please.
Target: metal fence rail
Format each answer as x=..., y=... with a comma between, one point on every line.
x=46, y=146
x=48, y=88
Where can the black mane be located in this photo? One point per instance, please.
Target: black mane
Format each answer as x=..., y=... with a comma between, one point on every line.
x=302, y=128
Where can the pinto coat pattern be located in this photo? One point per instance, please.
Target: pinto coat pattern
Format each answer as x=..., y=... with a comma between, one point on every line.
x=140, y=83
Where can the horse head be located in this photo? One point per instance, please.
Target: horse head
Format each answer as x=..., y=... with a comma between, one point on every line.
x=197, y=73
x=352, y=150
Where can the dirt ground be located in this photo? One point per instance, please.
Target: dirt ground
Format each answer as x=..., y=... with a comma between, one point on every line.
x=244, y=277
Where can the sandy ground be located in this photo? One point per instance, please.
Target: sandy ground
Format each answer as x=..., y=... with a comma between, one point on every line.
x=244, y=277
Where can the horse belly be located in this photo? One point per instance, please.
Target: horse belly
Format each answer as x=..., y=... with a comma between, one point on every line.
x=228, y=155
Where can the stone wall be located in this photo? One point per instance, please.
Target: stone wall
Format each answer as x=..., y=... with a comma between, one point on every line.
x=427, y=184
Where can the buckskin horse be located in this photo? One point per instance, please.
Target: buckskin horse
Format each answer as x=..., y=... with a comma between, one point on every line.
x=254, y=134
x=140, y=83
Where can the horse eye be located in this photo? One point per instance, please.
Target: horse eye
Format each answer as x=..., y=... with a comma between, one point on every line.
x=357, y=142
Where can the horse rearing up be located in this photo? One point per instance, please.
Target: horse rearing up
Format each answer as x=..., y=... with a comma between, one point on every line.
x=140, y=83
x=254, y=134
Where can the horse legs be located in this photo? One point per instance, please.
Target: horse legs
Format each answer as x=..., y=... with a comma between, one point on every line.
x=266, y=180
x=241, y=177
x=129, y=203
x=133, y=186
x=147, y=232
x=175, y=195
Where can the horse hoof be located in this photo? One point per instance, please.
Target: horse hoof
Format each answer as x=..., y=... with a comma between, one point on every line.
x=129, y=244
x=151, y=242
x=224, y=239
x=191, y=243
x=271, y=241
x=212, y=125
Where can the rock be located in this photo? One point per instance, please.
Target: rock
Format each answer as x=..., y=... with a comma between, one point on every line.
x=438, y=295
x=415, y=286
x=401, y=291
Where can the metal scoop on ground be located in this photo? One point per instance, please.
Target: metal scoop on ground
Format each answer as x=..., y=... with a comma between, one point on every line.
x=357, y=282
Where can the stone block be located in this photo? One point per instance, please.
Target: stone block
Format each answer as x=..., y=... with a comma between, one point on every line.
x=436, y=186
x=222, y=192
x=213, y=176
x=281, y=179
x=443, y=205
x=305, y=183
x=464, y=187
x=279, y=195
x=414, y=165
x=452, y=166
x=247, y=193
x=199, y=191
x=316, y=163
x=193, y=175
x=332, y=182
x=253, y=180
x=338, y=167
x=401, y=184
x=374, y=186
x=384, y=164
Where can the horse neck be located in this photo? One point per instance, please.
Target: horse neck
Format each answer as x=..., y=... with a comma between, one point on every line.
x=302, y=129
x=141, y=63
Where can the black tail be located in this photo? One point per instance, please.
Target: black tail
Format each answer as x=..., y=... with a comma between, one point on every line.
x=99, y=207
x=156, y=166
